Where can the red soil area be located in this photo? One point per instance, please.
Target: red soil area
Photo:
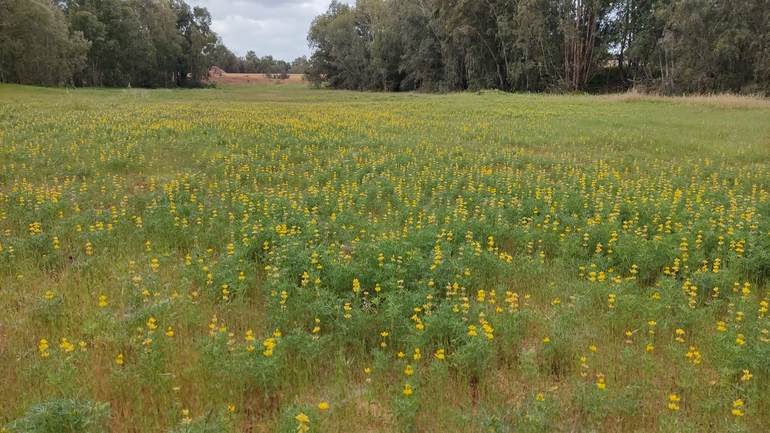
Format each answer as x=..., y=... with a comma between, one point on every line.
x=217, y=75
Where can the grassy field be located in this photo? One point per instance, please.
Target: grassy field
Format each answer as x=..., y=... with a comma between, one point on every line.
x=277, y=258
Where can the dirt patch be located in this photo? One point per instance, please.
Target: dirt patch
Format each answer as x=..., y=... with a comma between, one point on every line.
x=219, y=76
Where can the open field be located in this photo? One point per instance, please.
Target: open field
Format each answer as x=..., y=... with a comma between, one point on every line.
x=277, y=258
x=221, y=77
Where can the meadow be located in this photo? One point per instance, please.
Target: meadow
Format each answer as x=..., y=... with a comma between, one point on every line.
x=279, y=258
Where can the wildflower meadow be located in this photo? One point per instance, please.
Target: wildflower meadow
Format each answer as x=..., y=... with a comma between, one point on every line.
x=281, y=259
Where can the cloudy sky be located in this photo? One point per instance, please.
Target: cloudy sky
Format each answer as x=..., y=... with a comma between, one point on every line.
x=269, y=27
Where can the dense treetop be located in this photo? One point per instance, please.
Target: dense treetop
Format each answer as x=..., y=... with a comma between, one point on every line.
x=116, y=43
x=669, y=46
x=673, y=46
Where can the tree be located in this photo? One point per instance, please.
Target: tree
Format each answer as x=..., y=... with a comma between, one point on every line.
x=251, y=63
x=583, y=25
x=536, y=45
x=299, y=65
x=223, y=58
x=340, y=38
x=47, y=53
x=145, y=43
x=198, y=42
x=715, y=49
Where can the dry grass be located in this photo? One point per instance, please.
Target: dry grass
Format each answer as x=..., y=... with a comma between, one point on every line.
x=726, y=100
x=221, y=77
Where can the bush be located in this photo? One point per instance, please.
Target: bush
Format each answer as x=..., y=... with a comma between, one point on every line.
x=64, y=416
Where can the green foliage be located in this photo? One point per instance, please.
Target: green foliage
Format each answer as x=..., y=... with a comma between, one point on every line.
x=298, y=418
x=64, y=416
x=45, y=53
x=543, y=45
x=140, y=43
x=521, y=262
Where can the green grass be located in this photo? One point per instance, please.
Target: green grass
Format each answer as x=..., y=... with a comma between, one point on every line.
x=230, y=258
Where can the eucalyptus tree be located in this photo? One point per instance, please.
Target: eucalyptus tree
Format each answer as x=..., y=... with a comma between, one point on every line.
x=722, y=47
x=45, y=53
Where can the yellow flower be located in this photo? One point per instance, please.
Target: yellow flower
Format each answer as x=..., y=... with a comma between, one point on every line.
x=746, y=375
x=546, y=340
x=231, y=408
x=323, y=405
x=408, y=370
x=439, y=354
x=66, y=345
x=407, y=389
x=269, y=346
x=302, y=418
x=672, y=402
x=650, y=347
x=737, y=405
x=119, y=360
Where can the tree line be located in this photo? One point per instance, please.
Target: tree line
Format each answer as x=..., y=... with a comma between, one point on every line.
x=115, y=43
x=670, y=46
x=253, y=64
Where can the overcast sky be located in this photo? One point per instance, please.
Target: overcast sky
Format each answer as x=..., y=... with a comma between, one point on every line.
x=269, y=27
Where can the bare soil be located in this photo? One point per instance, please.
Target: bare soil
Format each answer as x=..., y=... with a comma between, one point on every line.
x=218, y=76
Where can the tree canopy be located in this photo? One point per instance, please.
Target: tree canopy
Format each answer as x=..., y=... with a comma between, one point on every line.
x=671, y=46
x=116, y=43
x=674, y=46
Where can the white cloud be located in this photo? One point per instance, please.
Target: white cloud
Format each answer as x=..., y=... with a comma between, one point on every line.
x=269, y=27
